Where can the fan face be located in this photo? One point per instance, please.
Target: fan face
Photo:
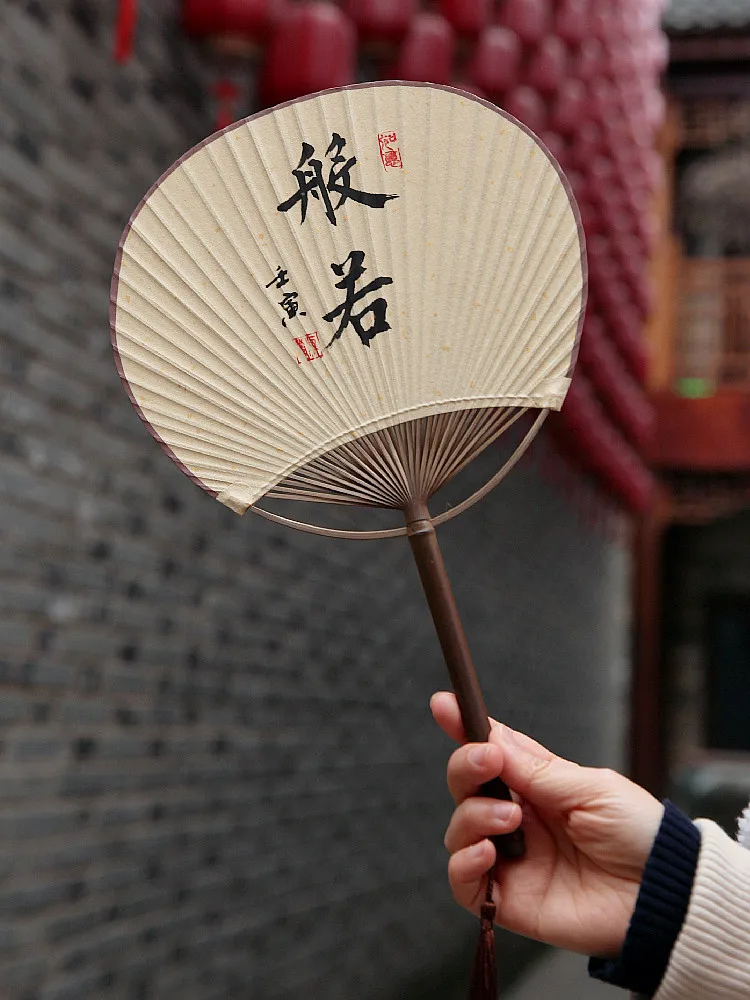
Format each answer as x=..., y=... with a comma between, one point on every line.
x=339, y=265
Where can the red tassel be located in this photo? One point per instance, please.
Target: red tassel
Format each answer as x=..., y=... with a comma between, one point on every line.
x=127, y=15
x=483, y=985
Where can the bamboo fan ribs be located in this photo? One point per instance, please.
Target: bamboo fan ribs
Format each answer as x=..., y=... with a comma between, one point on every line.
x=404, y=463
x=345, y=300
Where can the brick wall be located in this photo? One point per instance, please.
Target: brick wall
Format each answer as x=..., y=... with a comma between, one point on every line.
x=218, y=775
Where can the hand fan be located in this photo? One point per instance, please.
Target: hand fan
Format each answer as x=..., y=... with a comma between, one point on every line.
x=346, y=299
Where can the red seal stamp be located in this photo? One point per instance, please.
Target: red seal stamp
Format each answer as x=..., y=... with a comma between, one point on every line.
x=390, y=153
x=310, y=347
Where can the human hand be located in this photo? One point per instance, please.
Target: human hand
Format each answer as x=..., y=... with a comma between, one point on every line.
x=588, y=834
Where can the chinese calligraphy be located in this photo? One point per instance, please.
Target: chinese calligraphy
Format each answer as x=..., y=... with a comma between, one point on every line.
x=280, y=279
x=290, y=305
x=368, y=319
x=290, y=302
x=348, y=317
x=312, y=183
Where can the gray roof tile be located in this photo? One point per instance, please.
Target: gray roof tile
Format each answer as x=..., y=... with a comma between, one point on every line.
x=707, y=15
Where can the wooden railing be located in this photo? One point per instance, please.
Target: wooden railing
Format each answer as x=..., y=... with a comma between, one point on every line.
x=712, y=349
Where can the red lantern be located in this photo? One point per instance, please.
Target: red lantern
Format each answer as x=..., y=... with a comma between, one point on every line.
x=587, y=145
x=569, y=109
x=654, y=170
x=644, y=296
x=530, y=19
x=467, y=17
x=571, y=20
x=649, y=231
x=427, y=51
x=622, y=396
x=602, y=23
x=616, y=142
x=601, y=173
x=382, y=22
x=656, y=109
x=640, y=489
x=236, y=27
x=620, y=220
x=469, y=88
x=660, y=52
x=625, y=326
x=602, y=268
x=528, y=107
x=227, y=94
x=127, y=15
x=591, y=60
x=578, y=183
x=603, y=100
x=496, y=61
x=312, y=48
x=583, y=431
x=592, y=223
x=556, y=145
x=548, y=65
x=629, y=252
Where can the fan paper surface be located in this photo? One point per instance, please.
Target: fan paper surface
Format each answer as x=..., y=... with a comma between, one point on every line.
x=342, y=264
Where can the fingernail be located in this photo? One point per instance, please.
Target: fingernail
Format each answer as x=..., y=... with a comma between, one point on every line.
x=477, y=851
x=478, y=756
x=503, y=811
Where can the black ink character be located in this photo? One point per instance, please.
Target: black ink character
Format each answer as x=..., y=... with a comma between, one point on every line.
x=310, y=181
x=290, y=305
x=377, y=308
x=280, y=279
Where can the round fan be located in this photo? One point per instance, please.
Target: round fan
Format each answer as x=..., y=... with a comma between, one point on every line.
x=346, y=299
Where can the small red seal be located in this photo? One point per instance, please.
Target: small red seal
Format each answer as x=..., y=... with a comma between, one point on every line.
x=390, y=153
x=310, y=347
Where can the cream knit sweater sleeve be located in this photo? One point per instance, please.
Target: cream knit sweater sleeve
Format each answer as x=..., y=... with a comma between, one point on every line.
x=711, y=957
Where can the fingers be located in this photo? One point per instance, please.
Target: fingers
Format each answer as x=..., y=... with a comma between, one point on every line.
x=526, y=743
x=471, y=766
x=467, y=871
x=528, y=768
x=478, y=818
x=445, y=712
x=539, y=777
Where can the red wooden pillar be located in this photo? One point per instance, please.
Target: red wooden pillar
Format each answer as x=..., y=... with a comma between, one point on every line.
x=648, y=739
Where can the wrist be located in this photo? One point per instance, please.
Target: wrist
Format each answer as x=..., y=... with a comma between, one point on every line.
x=659, y=910
x=610, y=949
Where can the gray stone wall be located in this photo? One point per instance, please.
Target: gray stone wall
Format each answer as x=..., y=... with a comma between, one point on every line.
x=218, y=775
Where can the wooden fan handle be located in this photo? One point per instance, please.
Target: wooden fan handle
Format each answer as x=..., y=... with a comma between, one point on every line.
x=437, y=588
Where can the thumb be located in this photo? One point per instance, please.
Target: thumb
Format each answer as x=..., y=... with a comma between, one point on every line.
x=543, y=779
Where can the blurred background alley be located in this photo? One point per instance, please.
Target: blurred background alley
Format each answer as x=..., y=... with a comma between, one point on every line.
x=219, y=777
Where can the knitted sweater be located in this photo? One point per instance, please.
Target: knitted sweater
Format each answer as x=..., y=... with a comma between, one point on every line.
x=689, y=937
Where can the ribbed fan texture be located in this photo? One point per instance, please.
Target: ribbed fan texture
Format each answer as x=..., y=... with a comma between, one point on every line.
x=471, y=275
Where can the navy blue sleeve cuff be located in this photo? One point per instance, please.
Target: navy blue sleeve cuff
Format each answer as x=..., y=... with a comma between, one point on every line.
x=659, y=910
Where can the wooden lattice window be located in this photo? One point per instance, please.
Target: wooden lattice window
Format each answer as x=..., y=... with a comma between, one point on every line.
x=713, y=343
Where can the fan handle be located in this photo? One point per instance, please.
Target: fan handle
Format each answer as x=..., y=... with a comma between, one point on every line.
x=437, y=588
